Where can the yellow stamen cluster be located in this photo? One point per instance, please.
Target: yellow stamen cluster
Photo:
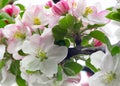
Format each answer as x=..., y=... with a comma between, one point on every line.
x=109, y=77
x=19, y=35
x=88, y=11
x=36, y=21
x=41, y=55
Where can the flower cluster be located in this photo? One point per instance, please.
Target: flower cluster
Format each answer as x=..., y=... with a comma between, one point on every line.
x=40, y=44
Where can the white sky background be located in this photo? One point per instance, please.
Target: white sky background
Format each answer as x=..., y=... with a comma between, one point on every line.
x=104, y=4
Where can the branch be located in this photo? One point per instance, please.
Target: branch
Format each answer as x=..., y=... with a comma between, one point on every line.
x=83, y=50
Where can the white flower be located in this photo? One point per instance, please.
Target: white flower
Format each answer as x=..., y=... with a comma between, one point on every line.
x=36, y=17
x=43, y=54
x=96, y=58
x=109, y=75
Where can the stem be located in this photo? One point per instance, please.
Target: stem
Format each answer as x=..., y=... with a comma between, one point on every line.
x=81, y=50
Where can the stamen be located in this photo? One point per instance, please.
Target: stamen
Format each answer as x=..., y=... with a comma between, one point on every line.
x=37, y=21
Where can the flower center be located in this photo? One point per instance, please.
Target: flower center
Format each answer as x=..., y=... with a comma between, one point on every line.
x=42, y=55
x=88, y=11
x=109, y=77
x=19, y=35
x=36, y=21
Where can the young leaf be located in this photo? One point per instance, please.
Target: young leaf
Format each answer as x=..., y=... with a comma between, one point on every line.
x=20, y=81
x=95, y=26
x=115, y=50
x=67, y=21
x=88, y=64
x=59, y=73
x=77, y=26
x=3, y=3
x=59, y=33
x=114, y=16
x=85, y=40
x=101, y=37
x=20, y=52
x=5, y=16
x=15, y=67
x=21, y=6
x=2, y=23
x=2, y=64
x=72, y=68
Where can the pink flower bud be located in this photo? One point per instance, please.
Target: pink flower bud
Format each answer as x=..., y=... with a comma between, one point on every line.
x=49, y=4
x=97, y=43
x=60, y=8
x=11, y=10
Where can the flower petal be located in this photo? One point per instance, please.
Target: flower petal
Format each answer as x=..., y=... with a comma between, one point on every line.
x=31, y=63
x=49, y=67
x=57, y=53
x=96, y=58
x=2, y=51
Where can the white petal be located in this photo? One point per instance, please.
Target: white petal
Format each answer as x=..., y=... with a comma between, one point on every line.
x=16, y=56
x=96, y=58
x=108, y=59
x=57, y=53
x=10, y=80
x=31, y=63
x=96, y=80
x=2, y=51
x=46, y=41
x=49, y=67
x=28, y=48
x=117, y=34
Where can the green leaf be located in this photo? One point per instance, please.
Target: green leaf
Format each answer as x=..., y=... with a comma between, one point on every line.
x=77, y=26
x=5, y=16
x=85, y=40
x=115, y=50
x=72, y=68
x=22, y=8
x=101, y=37
x=3, y=3
x=20, y=52
x=2, y=23
x=59, y=33
x=114, y=16
x=110, y=8
x=88, y=64
x=20, y=81
x=15, y=67
x=67, y=21
x=98, y=35
x=2, y=64
x=59, y=73
x=95, y=26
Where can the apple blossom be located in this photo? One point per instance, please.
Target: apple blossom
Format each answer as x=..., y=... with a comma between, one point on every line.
x=78, y=7
x=98, y=17
x=35, y=18
x=16, y=34
x=109, y=75
x=43, y=54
